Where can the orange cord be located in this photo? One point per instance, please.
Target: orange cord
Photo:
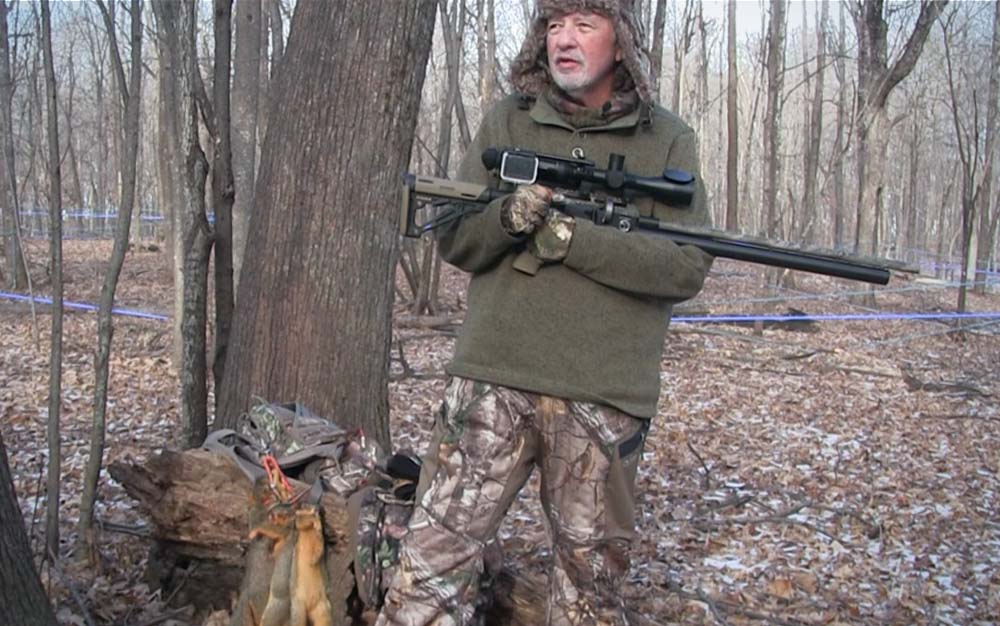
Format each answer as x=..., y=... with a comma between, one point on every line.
x=276, y=478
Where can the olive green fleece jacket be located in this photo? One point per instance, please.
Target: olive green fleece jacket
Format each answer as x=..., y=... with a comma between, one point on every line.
x=591, y=327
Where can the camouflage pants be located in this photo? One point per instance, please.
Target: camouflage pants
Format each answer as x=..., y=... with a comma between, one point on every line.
x=486, y=443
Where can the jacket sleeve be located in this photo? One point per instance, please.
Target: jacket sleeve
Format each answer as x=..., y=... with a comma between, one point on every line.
x=642, y=263
x=476, y=241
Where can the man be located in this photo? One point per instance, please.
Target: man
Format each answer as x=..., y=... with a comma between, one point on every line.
x=558, y=361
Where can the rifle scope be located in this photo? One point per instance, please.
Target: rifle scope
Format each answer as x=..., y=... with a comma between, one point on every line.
x=524, y=167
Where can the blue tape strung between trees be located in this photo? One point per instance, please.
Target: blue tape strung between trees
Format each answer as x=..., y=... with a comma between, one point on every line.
x=680, y=319
x=832, y=317
x=86, y=307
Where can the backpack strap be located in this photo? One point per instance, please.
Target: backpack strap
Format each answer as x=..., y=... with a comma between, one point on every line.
x=239, y=449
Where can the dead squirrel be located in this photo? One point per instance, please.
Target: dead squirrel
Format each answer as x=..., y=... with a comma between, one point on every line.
x=309, y=602
x=280, y=529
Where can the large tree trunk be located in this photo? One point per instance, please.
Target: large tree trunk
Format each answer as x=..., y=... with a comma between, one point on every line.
x=12, y=217
x=130, y=95
x=53, y=433
x=245, y=95
x=22, y=598
x=313, y=315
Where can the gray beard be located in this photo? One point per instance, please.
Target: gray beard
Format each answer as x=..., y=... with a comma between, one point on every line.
x=573, y=84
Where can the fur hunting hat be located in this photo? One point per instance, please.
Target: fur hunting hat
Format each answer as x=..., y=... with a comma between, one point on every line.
x=529, y=73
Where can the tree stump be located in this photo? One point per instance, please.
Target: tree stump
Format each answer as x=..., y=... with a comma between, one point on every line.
x=201, y=507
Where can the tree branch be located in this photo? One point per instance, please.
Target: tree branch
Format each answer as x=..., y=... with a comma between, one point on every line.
x=929, y=12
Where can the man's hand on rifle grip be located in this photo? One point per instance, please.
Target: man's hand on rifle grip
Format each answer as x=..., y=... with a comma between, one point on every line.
x=525, y=209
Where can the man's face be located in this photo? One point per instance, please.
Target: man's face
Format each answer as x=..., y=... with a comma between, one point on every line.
x=582, y=55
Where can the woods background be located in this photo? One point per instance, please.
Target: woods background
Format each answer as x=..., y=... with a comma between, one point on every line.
x=224, y=133
x=787, y=74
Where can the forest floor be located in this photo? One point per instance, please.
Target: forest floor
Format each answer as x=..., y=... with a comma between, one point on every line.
x=839, y=472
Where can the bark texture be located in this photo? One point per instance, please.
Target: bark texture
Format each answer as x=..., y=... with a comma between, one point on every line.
x=314, y=304
x=53, y=429
x=732, y=124
x=247, y=24
x=814, y=132
x=22, y=598
x=11, y=222
x=986, y=222
x=772, y=121
x=222, y=189
x=188, y=170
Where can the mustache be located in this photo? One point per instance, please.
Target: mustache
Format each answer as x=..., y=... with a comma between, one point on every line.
x=568, y=56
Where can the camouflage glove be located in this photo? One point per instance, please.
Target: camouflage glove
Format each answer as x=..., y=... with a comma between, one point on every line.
x=525, y=209
x=551, y=241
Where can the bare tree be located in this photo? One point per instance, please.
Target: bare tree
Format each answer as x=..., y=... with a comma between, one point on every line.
x=656, y=56
x=222, y=189
x=75, y=188
x=988, y=223
x=453, y=29
x=55, y=246
x=130, y=95
x=772, y=120
x=702, y=117
x=11, y=223
x=313, y=313
x=732, y=124
x=877, y=77
x=187, y=168
x=976, y=164
x=840, y=142
x=277, y=24
x=245, y=102
x=683, y=36
x=487, y=52
x=814, y=127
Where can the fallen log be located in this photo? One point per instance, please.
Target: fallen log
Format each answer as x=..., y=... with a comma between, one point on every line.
x=201, y=507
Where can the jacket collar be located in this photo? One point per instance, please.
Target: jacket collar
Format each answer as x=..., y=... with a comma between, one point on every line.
x=543, y=113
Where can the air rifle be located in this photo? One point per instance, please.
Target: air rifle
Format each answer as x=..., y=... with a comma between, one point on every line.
x=605, y=196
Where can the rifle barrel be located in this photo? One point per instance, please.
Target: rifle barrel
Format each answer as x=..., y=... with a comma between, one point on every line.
x=776, y=257
x=726, y=246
